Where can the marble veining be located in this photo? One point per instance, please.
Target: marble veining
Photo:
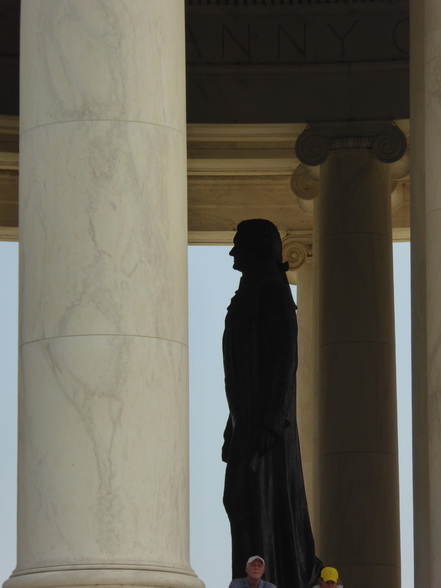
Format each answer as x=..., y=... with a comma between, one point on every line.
x=103, y=448
x=103, y=60
x=112, y=239
x=99, y=451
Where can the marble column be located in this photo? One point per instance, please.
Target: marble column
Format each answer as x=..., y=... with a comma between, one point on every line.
x=358, y=461
x=300, y=259
x=426, y=286
x=103, y=440
x=307, y=418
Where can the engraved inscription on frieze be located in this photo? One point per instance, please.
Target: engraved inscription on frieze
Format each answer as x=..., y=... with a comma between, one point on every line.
x=254, y=39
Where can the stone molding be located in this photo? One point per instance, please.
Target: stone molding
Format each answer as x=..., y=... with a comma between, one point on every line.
x=215, y=3
x=386, y=140
x=232, y=169
x=9, y=143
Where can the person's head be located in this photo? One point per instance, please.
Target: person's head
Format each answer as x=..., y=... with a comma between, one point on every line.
x=255, y=239
x=328, y=577
x=255, y=567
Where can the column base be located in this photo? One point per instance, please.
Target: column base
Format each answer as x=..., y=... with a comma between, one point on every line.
x=115, y=577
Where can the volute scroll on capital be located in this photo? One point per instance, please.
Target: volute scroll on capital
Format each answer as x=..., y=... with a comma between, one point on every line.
x=303, y=185
x=295, y=252
x=384, y=138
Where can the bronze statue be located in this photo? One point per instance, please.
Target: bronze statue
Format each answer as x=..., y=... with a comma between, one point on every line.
x=264, y=493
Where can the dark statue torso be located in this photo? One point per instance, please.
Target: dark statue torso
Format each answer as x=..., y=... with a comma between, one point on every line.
x=264, y=491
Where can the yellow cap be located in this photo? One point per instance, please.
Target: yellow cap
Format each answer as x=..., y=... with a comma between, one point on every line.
x=329, y=574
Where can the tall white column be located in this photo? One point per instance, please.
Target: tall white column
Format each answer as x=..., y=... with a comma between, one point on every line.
x=307, y=416
x=358, y=461
x=426, y=286
x=103, y=443
x=305, y=186
x=299, y=257
x=421, y=491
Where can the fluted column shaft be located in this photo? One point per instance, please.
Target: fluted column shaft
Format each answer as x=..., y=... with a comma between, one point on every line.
x=307, y=417
x=358, y=461
x=426, y=286
x=103, y=458
x=358, y=454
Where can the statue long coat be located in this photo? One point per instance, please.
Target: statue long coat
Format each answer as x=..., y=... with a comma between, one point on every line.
x=264, y=492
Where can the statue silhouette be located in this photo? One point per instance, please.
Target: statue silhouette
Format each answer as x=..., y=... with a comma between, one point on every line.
x=264, y=493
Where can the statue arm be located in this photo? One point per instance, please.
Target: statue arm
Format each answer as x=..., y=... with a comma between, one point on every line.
x=278, y=351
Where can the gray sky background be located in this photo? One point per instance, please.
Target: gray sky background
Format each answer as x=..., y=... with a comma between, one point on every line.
x=212, y=283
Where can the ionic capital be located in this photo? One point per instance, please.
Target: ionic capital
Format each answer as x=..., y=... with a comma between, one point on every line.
x=385, y=139
x=303, y=185
x=296, y=252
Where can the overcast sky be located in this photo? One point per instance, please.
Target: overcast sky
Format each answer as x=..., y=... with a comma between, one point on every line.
x=212, y=283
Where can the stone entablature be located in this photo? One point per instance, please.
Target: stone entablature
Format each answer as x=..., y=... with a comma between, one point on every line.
x=234, y=172
x=8, y=178
x=246, y=171
x=289, y=2
x=267, y=34
x=279, y=62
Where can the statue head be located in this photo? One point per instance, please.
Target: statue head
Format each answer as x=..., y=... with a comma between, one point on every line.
x=255, y=240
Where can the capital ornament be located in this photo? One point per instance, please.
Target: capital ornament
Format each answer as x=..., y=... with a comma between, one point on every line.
x=302, y=185
x=385, y=139
x=390, y=145
x=295, y=253
x=312, y=148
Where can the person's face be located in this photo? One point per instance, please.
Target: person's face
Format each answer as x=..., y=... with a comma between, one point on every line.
x=328, y=583
x=255, y=569
x=243, y=256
